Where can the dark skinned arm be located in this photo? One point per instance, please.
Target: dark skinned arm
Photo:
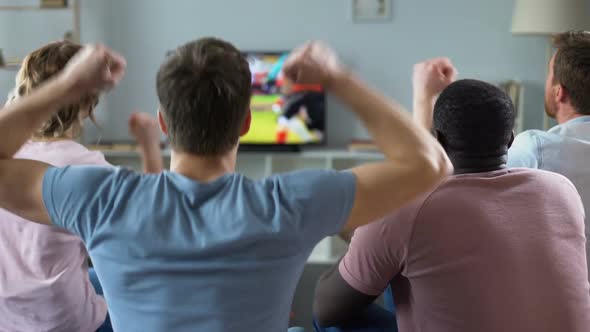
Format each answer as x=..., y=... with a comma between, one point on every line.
x=335, y=301
x=376, y=255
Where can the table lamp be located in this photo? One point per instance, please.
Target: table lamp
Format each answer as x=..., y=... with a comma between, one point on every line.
x=548, y=17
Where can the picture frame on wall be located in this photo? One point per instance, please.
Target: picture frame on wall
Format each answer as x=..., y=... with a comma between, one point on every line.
x=371, y=11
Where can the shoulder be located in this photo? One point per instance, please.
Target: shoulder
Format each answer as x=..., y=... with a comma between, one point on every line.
x=539, y=137
x=307, y=175
x=91, y=176
x=398, y=224
x=543, y=180
x=539, y=174
x=532, y=133
x=526, y=150
x=80, y=155
x=306, y=180
x=321, y=200
x=561, y=193
x=550, y=178
x=519, y=174
x=379, y=250
x=529, y=136
x=61, y=153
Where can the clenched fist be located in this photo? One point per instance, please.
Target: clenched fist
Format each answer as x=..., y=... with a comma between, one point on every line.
x=93, y=69
x=145, y=129
x=431, y=77
x=314, y=63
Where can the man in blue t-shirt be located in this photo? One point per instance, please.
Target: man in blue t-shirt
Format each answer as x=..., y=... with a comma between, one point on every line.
x=201, y=248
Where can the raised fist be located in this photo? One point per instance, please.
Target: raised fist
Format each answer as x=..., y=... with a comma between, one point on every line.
x=314, y=63
x=94, y=69
x=145, y=129
x=431, y=77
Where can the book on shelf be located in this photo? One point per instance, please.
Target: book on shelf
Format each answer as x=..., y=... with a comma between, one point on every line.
x=113, y=147
x=11, y=64
x=54, y=3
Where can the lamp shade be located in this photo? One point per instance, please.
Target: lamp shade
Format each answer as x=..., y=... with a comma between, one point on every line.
x=546, y=17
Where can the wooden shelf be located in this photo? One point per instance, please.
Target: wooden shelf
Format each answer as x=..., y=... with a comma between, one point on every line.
x=72, y=5
x=12, y=65
x=33, y=8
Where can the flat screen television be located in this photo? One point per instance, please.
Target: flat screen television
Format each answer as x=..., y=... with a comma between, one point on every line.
x=285, y=115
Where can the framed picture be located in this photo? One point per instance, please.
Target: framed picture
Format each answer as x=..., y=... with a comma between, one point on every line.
x=371, y=11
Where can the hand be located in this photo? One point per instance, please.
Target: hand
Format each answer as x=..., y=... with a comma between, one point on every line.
x=314, y=63
x=94, y=69
x=431, y=77
x=145, y=129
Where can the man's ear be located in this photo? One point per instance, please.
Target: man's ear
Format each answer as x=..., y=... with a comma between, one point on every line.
x=511, y=139
x=246, y=124
x=442, y=140
x=561, y=94
x=162, y=123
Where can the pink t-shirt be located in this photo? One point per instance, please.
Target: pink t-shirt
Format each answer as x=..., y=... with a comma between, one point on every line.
x=498, y=251
x=44, y=283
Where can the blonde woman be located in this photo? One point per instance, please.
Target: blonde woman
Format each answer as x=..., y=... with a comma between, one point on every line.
x=44, y=277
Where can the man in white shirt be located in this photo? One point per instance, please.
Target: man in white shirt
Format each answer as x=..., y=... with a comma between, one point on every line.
x=565, y=148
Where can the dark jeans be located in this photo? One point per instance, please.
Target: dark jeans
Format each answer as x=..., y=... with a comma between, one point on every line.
x=374, y=319
x=106, y=326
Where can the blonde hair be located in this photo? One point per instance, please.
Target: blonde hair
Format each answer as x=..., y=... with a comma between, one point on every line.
x=38, y=67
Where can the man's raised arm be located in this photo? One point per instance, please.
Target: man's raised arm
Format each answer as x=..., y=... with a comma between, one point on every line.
x=415, y=162
x=147, y=134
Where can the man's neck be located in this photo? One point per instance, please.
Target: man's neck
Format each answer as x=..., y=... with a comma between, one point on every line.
x=203, y=168
x=566, y=115
x=466, y=164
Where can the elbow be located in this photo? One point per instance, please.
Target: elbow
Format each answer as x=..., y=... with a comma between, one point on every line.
x=436, y=166
x=443, y=166
x=322, y=315
x=326, y=308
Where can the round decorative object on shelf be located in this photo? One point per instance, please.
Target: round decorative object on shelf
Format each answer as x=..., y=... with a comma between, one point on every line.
x=69, y=36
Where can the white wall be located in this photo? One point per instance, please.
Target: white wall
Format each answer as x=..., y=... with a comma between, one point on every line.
x=474, y=33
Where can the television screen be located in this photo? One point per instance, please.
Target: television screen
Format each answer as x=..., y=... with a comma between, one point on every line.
x=283, y=113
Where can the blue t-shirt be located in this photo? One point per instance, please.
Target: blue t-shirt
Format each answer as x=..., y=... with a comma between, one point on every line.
x=174, y=254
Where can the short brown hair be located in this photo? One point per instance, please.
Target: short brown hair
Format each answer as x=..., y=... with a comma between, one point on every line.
x=41, y=65
x=572, y=67
x=204, y=88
